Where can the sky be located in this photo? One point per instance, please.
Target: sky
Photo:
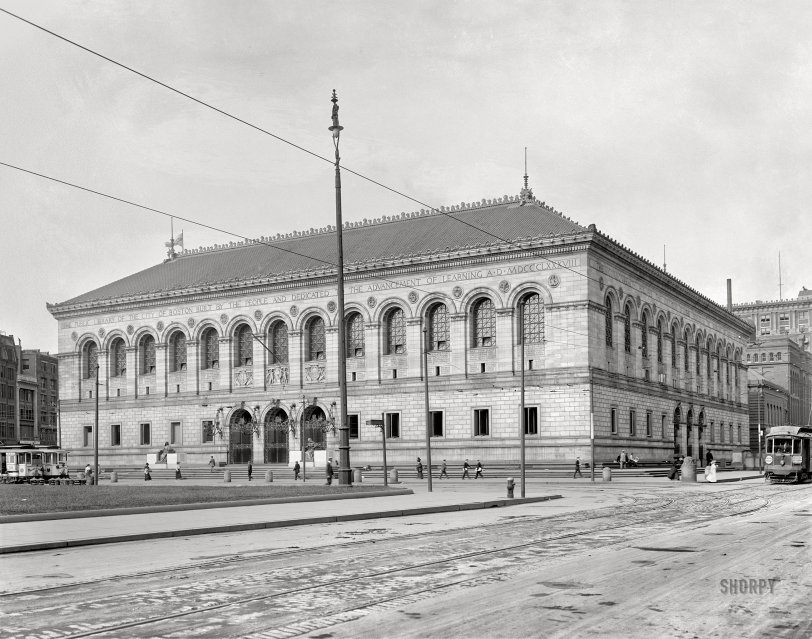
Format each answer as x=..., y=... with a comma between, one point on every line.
x=680, y=129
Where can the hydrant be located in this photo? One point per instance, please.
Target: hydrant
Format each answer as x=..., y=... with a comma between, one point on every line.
x=510, y=485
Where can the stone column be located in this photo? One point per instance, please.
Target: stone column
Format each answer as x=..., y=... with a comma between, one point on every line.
x=161, y=367
x=260, y=357
x=132, y=372
x=332, y=354
x=669, y=364
x=104, y=374
x=414, y=346
x=507, y=354
x=193, y=366
x=226, y=357
x=459, y=344
x=637, y=349
x=372, y=351
x=295, y=353
x=619, y=342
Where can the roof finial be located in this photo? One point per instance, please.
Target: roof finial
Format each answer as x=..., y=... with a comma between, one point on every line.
x=526, y=194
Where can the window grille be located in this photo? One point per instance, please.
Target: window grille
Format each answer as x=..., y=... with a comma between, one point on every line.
x=686, y=364
x=279, y=343
x=659, y=341
x=91, y=360
x=438, y=328
x=607, y=321
x=674, y=347
x=315, y=339
x=119, y=358
x=484, y=319
x=211, y=349
x=147, y=355
x=245, y=346
x=355, y=335
x=532, y=319
x=708, y=361
x=644, y=336
x=627, y=329
x=178, y=354
x=395, y=332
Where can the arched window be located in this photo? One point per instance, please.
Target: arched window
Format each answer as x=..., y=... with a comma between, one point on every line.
x=244, y=346
x=316, y=343
x=660, y=341
x=644, y=336
x=147, y=354
x=532, y=319
x=278, y=338
x=118, y=352
x=210, y=342
x=484, y=324
x=91, y=360
x=687, y=363
x=177, y=352
x=395, y=327
x=607, y=320
x=627, y=329
x=438, y=328
x=764, y=357
x=355, y=335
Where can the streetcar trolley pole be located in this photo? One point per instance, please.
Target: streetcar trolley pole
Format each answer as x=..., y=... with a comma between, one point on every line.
x=379, y=423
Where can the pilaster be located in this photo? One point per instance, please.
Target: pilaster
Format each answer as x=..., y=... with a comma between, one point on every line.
x=372, y=351
x=193, y=366
x=104, y=374
x=132, y=372
x=161, y=367
x=259, y=359
x=506, y=358
x=414, y=346
x=295, y=352
x=226, y=358
x=459, y=344
x=332, y=354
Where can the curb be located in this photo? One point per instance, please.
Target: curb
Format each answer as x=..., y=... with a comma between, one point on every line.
x=305, y=521
x=171, y=508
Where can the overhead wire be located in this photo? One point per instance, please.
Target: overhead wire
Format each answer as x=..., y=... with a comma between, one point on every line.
x=305, y=150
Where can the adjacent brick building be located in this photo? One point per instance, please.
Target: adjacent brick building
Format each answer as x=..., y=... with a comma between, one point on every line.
x=222, y=351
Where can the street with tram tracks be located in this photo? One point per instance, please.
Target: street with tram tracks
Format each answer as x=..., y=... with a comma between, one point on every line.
x=656, y=561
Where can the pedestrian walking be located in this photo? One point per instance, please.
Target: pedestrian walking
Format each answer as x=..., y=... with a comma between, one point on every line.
x=296, y=470
x=329, y=471
x=87, y=473
x=443, y=472
x=212, y=464
x=624, y=459
x=577, y=472
x=478, y=470
x=250, y=469
x=419, y=469
x=177, y=471
x=465, y=468
x=708, y=458
x=147, y=474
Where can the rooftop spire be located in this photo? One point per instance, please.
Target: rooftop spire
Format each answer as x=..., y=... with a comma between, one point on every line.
x=526, y=194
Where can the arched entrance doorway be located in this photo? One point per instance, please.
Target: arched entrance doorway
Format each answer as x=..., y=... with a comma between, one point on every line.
x=240, y=437
x=677, y=434
x=689, y=423
x=313, y=427
x=700, y=444
x=276, y=437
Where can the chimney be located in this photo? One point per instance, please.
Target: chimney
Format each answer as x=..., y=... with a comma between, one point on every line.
x=729, y=295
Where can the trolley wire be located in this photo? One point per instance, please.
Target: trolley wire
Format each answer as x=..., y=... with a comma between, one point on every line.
x=309, y=152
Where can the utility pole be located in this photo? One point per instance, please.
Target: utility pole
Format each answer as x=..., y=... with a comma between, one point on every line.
x=96, y=431
x=426, y=390
x=522, y=419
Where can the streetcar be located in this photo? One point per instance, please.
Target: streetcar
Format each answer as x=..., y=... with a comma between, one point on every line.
x=28, y=462
x=787, y=457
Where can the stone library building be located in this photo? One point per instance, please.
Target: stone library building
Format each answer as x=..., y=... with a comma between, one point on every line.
x=232, y=351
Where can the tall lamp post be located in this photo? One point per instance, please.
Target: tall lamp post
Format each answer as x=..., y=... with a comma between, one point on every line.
x=96, y=431
x=344, y=470
x=522, y=425
x=426, y=389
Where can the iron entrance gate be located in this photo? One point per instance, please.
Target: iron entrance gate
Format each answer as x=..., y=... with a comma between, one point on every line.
x=276, y=437
x=240, y=437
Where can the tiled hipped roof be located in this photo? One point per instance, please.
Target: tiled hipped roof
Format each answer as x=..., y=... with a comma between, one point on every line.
x=408, y=234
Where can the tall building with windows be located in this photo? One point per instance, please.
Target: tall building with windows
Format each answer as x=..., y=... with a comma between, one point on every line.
x=232, y=350
x=8, y=389
x=41, y=373
x=781, y=353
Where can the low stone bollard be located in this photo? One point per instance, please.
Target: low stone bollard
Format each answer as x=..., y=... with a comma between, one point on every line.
x=268, y=477
x=688, y=470
x=227, y=476
x=113, y=477
x=607, y=473
x=510, y=486
x=393, y=476
x=356, y=476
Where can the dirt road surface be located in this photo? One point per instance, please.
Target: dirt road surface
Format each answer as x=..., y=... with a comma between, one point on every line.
x=672, y=561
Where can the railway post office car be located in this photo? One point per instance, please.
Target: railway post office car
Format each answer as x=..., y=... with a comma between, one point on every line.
x=788, y=454
x=26, y=463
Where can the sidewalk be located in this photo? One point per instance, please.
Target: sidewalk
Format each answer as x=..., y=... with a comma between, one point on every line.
x=408, y=498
